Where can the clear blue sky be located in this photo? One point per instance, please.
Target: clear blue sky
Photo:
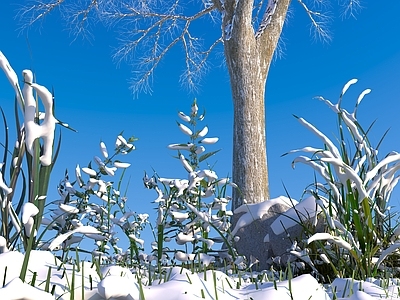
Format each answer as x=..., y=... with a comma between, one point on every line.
x=92, y=93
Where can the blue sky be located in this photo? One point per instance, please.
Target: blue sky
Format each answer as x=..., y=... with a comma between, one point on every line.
x=93, y=96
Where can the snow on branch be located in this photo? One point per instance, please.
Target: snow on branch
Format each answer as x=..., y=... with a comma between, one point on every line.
x=319, y=22
x=350, y=7
x=267, y=17
x=76, y=13
x=38, y=11
x=258, y=9
x=155, y=33
x=147, y=29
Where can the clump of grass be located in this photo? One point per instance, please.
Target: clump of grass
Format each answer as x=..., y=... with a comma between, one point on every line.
x=352, y=198
x=36, y=145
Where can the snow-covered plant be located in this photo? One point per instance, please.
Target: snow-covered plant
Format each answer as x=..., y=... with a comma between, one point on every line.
x=353, y=197
x=190, y=210
x=34, y=144
x=91, y=205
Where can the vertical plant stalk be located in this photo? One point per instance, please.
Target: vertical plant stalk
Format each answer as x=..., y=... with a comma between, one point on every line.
x=141, y=292
x=4, y=208
x=15, y=170
x=83, y=280
x=28, y=249
x=34, y=190
x=160, y=245
x=13, y=182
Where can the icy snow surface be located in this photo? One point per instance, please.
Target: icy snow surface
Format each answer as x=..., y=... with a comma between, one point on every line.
x=120, y=283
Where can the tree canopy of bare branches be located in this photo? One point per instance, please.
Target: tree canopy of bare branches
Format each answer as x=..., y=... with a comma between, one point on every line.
x=147, y=29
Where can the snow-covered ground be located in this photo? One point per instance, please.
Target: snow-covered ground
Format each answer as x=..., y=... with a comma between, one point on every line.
x=120, y=283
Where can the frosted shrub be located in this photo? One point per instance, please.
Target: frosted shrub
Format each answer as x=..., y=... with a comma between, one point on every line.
x=190, y=210
x=353, y=197
x=34, y=144
x=92, y=199
x=185, y=217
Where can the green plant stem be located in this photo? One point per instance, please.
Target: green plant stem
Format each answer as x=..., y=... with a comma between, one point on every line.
x=13, y=182
x=160, y=245
x=27, y=255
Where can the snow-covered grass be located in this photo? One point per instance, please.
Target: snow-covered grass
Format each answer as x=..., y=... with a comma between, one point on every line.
x=360, y=230
x=114, y=282
x=348, y=230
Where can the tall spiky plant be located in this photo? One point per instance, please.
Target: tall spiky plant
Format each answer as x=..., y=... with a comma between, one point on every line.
x=35, y=144
x=184, y=212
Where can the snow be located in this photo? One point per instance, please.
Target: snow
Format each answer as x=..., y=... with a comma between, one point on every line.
x=304, y=209
x=255, y=211
x=120, y=283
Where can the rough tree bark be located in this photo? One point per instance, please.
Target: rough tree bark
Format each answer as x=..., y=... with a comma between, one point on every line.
x=248, y=58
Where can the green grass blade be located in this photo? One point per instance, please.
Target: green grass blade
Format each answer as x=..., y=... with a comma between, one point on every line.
x=6, y=142
x=48, y=278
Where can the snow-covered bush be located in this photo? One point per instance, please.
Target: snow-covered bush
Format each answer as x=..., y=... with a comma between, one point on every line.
x=192, y=209
x=34, y=144
x=184, y=215
x=91, y=202
x=353, y=198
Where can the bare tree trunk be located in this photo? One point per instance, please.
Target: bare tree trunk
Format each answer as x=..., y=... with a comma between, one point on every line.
x=249, y=141
x=248, y=59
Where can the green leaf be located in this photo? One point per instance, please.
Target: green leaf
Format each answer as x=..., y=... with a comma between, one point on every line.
x=23, y=193
x=132, y=139
x=6, y=138
x=207, y=155
x=17, y=123
x=66, y=125
x=56, y=153
x=204, y=184
x=103, y=171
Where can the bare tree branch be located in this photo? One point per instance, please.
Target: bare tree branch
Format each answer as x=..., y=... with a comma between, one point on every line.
x=78, y=17
x=77, y=14
x=154, y=35
x=351, y=7
x=267, y=17
x=320, y=17
x=149, y=29
x=37, y=12
x=319, y=22
x=196, y=68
